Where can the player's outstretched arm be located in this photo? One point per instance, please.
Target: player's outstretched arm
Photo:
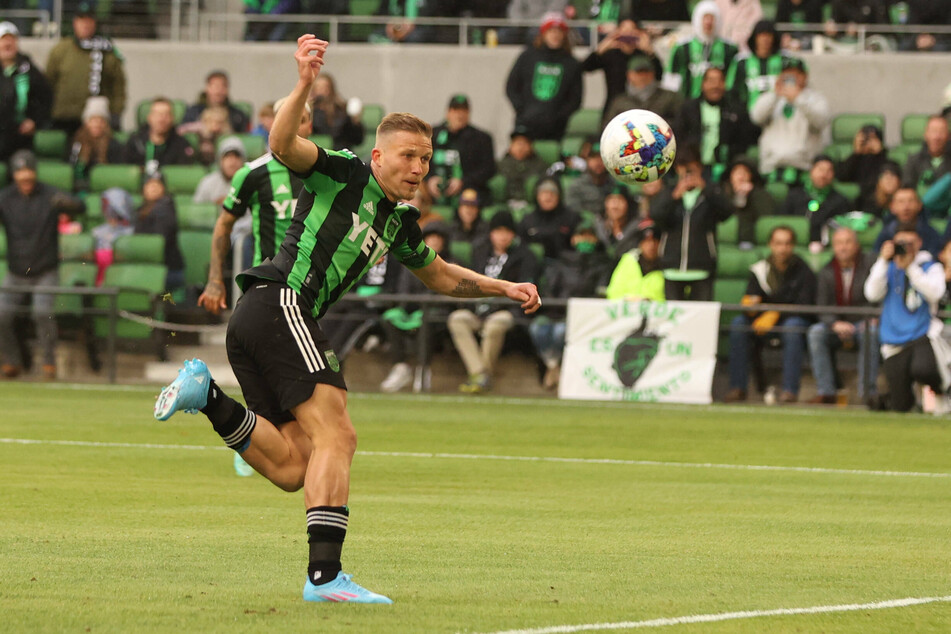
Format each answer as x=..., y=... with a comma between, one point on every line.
x=457, y=281
x=213, y=298
x=293, y=151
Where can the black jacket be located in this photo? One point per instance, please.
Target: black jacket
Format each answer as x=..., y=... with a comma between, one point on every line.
x=810, y=11
x=39, y=100
x=575, y=274
x=826, y=293
x=669, y=11
x=31, y=224
x=863, y=169
x=919, y=171
x=175, y=151
x=472, y=148
x=689, y=240
x=341, y=128
x=520, y=266
x=860, y=11
x=544, y=87
x=798, y=285
x=614, y=64
x=551, y=229
x=736, y=131
x=162, y=220
x=797, y=204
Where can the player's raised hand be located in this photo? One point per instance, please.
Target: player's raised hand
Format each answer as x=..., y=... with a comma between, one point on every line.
x=309, y=56
x=527, y=294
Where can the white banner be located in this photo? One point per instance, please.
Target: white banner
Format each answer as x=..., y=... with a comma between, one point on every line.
x=640, y=351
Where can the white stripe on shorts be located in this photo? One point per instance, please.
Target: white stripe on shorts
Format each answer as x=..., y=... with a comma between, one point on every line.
x=295, y=322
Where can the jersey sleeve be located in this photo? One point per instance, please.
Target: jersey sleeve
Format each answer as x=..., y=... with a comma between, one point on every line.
x=338, y=166
x=410, y=248
x=239, y=196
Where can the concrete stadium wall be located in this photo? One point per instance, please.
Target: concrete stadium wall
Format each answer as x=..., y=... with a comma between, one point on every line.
x=420, y=79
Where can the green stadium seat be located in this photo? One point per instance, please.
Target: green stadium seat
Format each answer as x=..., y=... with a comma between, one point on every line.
x=901, y=153
x=121, y=136
x=461, y=252
x=733, y=262
x=55, y=173
x=3, y=245
x=838, y=151
x=491, y=210
x=530, y=183
x=778, y=191
x=815, y=260
x=548, y=151
x=254, y=145
x=849, y=190
x=373, y=114
x=142, y=111
x=913, y=129
x=76, y=246
x=50, y=144
x=3, y=270
x=446, y=212
x=141, y=286
x=196, y=249
x=140, y=248
x=183, y=179
x=584, y=123
x=867, y=238
x=728, y=231
x=128, y=177
x=322, y=140
x=247, y=108
x=3, y=174
x=939, y=224
x=729, y=290
x=799, y=225
x=196, y=216
x=74, y=274
x=571, y=145
x=496, y=187
x=844, y=126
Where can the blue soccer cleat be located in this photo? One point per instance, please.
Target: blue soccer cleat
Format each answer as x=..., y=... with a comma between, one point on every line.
x=341, y=590
x=241, y=467
x=187, y=393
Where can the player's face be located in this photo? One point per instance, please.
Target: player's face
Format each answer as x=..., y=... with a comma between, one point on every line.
x=402, y=161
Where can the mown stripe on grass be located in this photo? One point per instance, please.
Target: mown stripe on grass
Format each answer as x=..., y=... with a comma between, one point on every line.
x=731, y=616
x=546, y=459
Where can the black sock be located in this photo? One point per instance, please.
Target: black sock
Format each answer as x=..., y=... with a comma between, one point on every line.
x=233, y=422
x=326, y=530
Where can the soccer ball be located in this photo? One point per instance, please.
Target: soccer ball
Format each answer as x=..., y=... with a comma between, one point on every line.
x=638, y=146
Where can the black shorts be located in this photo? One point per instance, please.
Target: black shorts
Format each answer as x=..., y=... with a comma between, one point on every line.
x=278, y=351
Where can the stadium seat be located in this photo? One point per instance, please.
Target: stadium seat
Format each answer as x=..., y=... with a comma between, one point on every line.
x=55, y=173
x=183, y=179
x=728, y=231
x=142, y=111
x=140, y=248
x=3, y=174
x=196, y=249
x=195, y=216
x=254, y=145
x=538, y=249
x=867, y=238
x=141, y=285
x=729, y=290
x=778, y=191
x=247, y=108
x=496, y=187
x=913, y=129
x=815, y=260
x=530, y=183
x=799, y=225
x=844, y=126
x=3, y=270
x=733, y=262
x=939, y=224
x=548, y=151
x=584, y=123
x=461, y=252
x=849, y=190
x=50, y=144
x=571, y=146
x=901, y=153
x=373, y=113
x=322, y=140
x=74, y=274
x=76, y=246
x=128, y=177
x=446, y=212
x=838, y=152
x=491, y=210
x=3, y=245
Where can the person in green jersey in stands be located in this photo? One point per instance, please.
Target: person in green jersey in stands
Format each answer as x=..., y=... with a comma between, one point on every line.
x=690, y=60
x=296, y=430
x=755, y=73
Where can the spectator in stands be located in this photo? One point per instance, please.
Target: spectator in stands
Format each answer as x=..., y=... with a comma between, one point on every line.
x=25, y=95
x=117, y=210
x=29, y=215
x=501, y=257
x=716, y=123
x=527, y=10
x=267, y=31
x=463, y=156
x=755, y=73
x=216, y=93
x=550, y=223
x=687, y=218
x=265, y=121
x=744, y=190
x=214, y=187
x=401, y=323
x=424, y=203
x=94, y=143
x=157, y=143
x=794, y=118
x=544, y=85
x=211, y=126
x=581, y=271
x=932, y=162
x=613, y=54
x=841, y=283
x=817, y=200
x=690, y=60
x=906, y=210
x=468, y=225
x=925, y=13
x=649, y=191
x=82, y=66
x=157, y=215
x=660, y=10
x=865, y=163
x=587, y=192
x=909, y=283
x=519, y=165
x=739, y=19
x=403, y=28
x=782, y=278
x=853, y=12
x=799, y=12
x=341, y=120
x=617, y=225
x=644, y=92
x=878, y=202
x=638, y=274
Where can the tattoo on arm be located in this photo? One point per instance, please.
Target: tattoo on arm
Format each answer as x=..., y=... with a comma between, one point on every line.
x=468, y=288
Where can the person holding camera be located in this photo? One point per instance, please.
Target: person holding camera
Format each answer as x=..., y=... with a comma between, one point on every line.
x=906, y=210
x=909, y=282
x=866, y=161
x=613, y=54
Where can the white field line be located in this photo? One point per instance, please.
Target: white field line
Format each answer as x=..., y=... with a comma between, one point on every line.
x=545, y=459
x=731, y=616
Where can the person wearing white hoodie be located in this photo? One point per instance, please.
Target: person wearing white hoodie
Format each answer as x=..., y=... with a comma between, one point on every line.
x=691, y=59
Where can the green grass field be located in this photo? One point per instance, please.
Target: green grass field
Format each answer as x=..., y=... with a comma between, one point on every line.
x=617, y=514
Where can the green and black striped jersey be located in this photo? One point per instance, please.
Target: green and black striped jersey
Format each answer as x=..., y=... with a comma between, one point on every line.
x=269, y=190
x=342, y=226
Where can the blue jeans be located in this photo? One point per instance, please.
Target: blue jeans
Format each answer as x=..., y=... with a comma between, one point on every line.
x=741, y=343
x=549, y=338
x=823, y=340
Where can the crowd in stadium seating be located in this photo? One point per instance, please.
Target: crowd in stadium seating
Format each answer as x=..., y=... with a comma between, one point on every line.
x=756, y=207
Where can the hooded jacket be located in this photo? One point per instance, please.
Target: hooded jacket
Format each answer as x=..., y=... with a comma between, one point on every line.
x=31, y=226
x=690, y=60
x=798, y=283
x=24, y=94
x=790, y=139
x=751, y=76
x=552, y=229
x=81, y=69
x=689, y=238
x=544, y=87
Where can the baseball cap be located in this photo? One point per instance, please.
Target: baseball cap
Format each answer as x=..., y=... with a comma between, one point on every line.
x=640, y=62
x=22, y=159
x=231, y=145
x=553, y=19
x=548, y=185
x=646, y=229
x=459, y=101
x=9, y=28
x=794, y=63
x=85, y=10
x=469, y=197
x=502, y=219
x=521, y=130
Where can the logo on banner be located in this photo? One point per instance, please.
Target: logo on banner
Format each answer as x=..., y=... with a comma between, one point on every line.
x=634, y=354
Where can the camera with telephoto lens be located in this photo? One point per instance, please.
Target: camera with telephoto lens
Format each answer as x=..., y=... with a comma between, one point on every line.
x=902, y=248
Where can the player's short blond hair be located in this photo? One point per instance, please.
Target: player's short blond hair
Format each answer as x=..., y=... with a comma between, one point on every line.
x=403, y=122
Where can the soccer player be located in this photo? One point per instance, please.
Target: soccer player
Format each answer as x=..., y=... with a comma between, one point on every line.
x=297, y=431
